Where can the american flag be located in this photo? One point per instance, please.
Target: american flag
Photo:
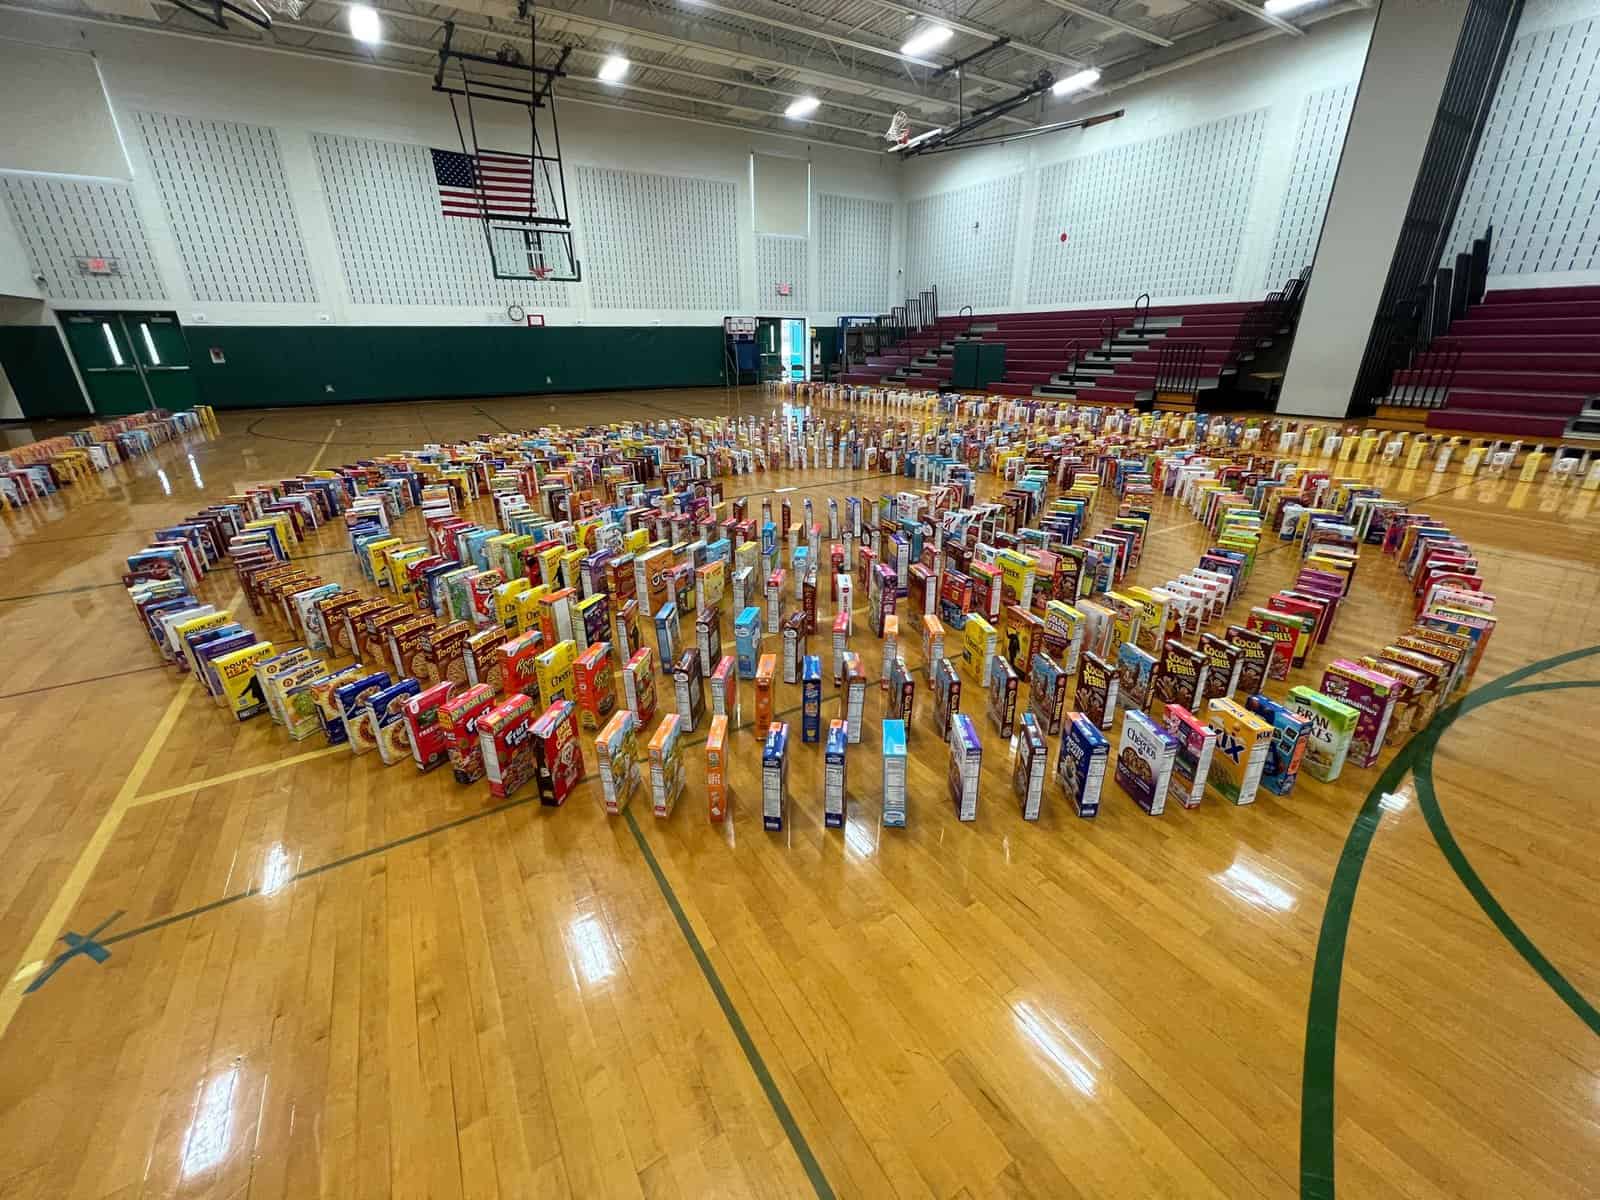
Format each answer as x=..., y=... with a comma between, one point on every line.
x=488, y=184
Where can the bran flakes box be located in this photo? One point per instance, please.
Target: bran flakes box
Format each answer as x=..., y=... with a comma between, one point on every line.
x=766, y=670
x=597, y=691
x=1241, y=752
x=666, y=765
x=1028, y=774
x=717, y=769
x=616, y=749
x=775, y=776
x=1333, y=725
x=1291, y=733
x=1145, y=755
x=639, y=685
x=557, y=753
x=425, y=731
x=1082, y=765
x=725, y=689
x=1373, y=695
x=833, y=779
x=459, y=716
x=893, y=780
x=506, y=741
x=1197, y=742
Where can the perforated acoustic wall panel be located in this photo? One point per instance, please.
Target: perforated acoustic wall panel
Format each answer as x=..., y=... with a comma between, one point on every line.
x=964, y=241
x=63, y=220
x=853, y=248
x=396, y=246
x=1324, y=117
x=658, y=241
x=780, y=260
x=228, y=205
x=1164, y=216
x=1536, y=178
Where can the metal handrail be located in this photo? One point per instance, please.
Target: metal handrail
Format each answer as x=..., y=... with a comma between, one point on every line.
x=1141, y=317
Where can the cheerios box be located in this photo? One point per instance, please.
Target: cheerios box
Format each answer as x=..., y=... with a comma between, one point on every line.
x=1145, y=755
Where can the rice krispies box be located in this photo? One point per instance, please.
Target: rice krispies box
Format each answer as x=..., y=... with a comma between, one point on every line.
x=557, y=753
x=506, y=741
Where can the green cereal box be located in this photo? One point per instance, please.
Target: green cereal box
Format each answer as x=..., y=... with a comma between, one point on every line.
x=1333, y=725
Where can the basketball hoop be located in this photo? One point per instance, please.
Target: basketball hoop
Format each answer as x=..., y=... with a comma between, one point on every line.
x=899, y=129
x=541, y=273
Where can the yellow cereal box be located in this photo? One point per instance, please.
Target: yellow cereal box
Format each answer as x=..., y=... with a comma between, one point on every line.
x=241, y=689
x=554, y=668
x=978, y=642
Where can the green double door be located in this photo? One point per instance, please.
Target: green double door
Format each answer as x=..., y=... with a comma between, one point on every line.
x=131, y=361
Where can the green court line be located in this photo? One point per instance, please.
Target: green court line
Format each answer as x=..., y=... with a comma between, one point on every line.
x=813, y=1169
x=1327, y=972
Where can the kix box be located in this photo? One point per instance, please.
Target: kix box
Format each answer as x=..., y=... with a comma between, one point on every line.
x=1240, y=756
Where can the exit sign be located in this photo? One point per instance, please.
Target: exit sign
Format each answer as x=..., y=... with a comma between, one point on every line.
x=95, y=265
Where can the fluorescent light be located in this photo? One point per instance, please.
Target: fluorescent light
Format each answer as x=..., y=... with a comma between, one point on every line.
x=801, y=106
x=1075, y=83
x=930, y=38
x=1277, y=8
x=364, y=24
x=150, y=345
x=613, y=69
x=111, y=344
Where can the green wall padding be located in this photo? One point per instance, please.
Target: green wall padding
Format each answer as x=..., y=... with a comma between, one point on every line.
x=281, y=365
x=36, y=363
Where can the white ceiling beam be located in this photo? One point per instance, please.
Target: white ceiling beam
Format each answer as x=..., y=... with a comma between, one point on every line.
x=982, y=31
x=1111, y=22
x=1262, y=14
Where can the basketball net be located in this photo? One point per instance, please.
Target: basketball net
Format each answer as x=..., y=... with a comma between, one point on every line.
x=542, y=273
x=899, y=129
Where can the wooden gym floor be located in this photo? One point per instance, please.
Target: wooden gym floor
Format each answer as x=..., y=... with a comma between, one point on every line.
x=331, y=978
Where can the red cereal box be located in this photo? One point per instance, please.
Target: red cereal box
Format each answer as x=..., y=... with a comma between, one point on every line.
x=597, y=690
x=459, y=716
x=506, y=740
x=518, y=663
x=558, y=756
x=430, y=739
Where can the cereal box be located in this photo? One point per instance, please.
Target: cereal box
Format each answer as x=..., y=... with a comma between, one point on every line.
x=893, y=780
x=506, y=742
x=483, y=663
x=1241, y=753
x=425, y=732
x=811, y=700
x=1064, y=631
x=902, y=698
x=978, y=643
x=775, y=776
x=1192, y=764
x=328, y=714
x=387, y=709
x=360, y=730
x=1256, y=655
x=1370, y=693
x=841, y=643
x=775, y=584
x=946, y=688
x=667, y=635
x=717, y=769
x=616, y=750
x=519, y=658
x=855, y=695
x=932, y=642
x=725, y=688
x=1028, y=772
x=1003, y=682
x=833, y=780
x=794, y=646
x=1333, y=725
x=1082, y=765
x=459, y=716
x=1136, y=670
x=639, y=685
x=554, y=670
x=1047, y=692
x=597, y=690
x=965, y=767
x=1180, y=675
x=1224, y=664
x=558, y=756
x=689, y=690
x=1145, y=754
x=1291, y=733
x=891, y=646
x=241, y=689
x=666, y=765
x=766, y=670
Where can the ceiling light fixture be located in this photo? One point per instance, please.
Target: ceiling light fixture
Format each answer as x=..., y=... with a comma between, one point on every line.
x=801, y=106
x=364, y=24
x=1278, y=8
x=1075, y=83
x=613, y=69
x=930, y=38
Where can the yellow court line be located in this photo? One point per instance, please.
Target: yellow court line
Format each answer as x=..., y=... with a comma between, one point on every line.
x=233, y=776
x=323, y=449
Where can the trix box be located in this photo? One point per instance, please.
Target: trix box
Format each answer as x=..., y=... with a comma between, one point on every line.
x=833, y=785
x=775, y=776
x=558, y=758
x=506, y=737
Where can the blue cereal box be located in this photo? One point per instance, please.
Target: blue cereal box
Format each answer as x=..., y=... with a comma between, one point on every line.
x=775, y=776
x=966, y=765
x=811, y=700
x=1030, y=769
x=1082, y=765
x=667, y=635
x=894, y=774
x=833, y=782
x=1291, y=733
x=747, y=638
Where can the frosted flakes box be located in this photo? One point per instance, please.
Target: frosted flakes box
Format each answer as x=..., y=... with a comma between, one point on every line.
x=1081, y=767
x=1333, y=725
x=1373, y=695
x=1145, y=754
x=1197, y=742
x=1291, y=733
x=1241, y=751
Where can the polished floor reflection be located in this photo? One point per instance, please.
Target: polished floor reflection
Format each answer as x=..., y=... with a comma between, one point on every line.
x=328, y=977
